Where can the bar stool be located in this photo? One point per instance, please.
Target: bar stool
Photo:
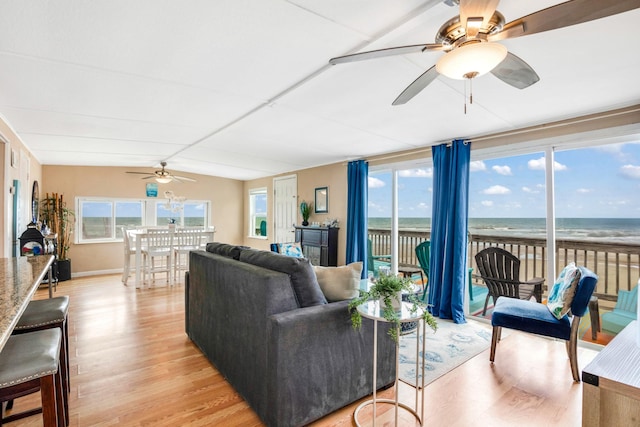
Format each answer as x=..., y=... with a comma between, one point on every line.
x=47, y=314
x=29, y=363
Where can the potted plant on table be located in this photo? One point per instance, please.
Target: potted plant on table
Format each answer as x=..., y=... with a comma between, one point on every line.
x=386, y=289
x=60, y=220
x=305, y=211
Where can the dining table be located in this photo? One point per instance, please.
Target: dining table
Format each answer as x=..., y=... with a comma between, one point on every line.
x=21, y=277
x=139, y=235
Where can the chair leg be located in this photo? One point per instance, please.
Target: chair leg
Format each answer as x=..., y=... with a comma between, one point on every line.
x=486, y=302
x=48, y=393
x=126, y=270
x=572, y=348
x=495, y=337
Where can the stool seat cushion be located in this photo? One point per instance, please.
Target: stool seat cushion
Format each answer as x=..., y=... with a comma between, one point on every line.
x=529, y=316
x=30, y=356
x=44, y=312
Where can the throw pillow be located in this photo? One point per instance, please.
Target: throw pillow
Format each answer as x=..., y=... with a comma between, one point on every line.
x=291, y=249
x=563, y=291
x=339, y=283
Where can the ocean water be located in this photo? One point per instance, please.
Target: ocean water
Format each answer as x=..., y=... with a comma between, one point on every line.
x=625, y=230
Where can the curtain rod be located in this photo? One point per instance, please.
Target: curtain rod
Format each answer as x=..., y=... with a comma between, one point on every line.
x=521, y=131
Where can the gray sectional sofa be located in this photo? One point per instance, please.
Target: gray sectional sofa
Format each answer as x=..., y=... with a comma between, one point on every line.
x=262, y=320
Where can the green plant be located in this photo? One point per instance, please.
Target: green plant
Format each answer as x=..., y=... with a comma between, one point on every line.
x=305, y=210
x=384, y=289
x=60, y=219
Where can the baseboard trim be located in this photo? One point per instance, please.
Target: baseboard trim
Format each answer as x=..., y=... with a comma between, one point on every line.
x=95, y=273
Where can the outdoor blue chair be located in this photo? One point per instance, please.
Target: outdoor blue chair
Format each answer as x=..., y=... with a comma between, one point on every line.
x=423, y=254
x=371, y=259
x=623, y=313
x=536, y=318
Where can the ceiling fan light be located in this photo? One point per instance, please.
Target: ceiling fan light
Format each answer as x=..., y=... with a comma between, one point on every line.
x=163, y=179
x=473, y=59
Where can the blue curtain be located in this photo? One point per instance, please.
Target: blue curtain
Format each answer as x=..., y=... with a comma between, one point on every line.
x=357, y=187
x=448, y=266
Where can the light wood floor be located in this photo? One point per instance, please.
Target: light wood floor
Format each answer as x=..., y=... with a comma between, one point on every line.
x=133, y=365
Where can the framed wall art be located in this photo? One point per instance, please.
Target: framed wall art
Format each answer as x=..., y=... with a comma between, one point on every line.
x=322, y=200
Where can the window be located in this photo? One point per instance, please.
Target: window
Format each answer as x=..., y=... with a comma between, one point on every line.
x=100, y=219
x=258, y=213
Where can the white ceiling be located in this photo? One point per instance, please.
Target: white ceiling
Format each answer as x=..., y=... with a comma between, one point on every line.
x=242, y=88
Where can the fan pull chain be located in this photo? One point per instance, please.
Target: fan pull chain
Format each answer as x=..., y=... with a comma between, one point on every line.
x=465, y=97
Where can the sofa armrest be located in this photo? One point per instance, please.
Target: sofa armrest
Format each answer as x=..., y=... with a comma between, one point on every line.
x=318, y=363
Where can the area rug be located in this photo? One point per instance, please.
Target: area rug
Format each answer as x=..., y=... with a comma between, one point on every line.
x=449, y=347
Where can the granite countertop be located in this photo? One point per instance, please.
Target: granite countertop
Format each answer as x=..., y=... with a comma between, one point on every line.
x=20, y=279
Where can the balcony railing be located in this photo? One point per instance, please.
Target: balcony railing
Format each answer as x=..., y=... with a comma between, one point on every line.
x=616, y=264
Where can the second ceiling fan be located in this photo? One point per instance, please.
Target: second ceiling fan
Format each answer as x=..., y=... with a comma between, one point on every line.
x=469, y=41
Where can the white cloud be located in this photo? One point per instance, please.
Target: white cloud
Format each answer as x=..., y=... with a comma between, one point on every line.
x=487, y=203
x=423, y=206
x=477, y=166
x=530, y=190
x=496, y=189
x=539, y=164
x=375, y=182
x=583, y=190
x=630, y=171
x=416, y=173
x=502, y=170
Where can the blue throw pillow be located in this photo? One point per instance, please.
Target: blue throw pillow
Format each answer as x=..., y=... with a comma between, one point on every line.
x=290, y=249
x=563, y=291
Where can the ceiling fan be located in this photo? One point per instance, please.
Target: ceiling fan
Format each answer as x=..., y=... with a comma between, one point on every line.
x=469, y=41
x=163, y=176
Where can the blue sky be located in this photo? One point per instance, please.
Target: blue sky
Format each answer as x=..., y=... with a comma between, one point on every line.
x=597, y=182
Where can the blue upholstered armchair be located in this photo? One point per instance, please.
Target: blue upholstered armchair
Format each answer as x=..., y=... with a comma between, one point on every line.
x=536, y=318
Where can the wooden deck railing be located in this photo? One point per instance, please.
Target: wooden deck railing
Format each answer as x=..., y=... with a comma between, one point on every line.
x=616, y=264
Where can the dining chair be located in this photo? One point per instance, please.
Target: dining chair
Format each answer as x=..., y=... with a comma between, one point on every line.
x=500, y=271
x=129, y=251
x=156, y=244
x=185, y=241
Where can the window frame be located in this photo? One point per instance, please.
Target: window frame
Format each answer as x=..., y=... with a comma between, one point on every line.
x=253, y=216
x=148, y=216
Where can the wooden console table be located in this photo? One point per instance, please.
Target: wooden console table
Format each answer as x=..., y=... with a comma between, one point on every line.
x=611, y=383
x=319, y=244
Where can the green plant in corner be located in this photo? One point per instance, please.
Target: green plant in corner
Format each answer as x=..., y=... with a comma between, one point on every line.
x=384, y=289
x=305, y=211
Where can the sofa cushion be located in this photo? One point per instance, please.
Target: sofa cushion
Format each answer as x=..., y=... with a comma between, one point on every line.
x=225, y=249
x=563, y=290
x=339, y=283
x=303, y=279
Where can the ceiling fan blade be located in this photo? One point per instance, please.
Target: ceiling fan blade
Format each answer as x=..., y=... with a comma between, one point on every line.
x=418, y=84
x=475, y=14
x=139, y=173
x=514, y=71
x=564, y=15
x=400, y=50
x=182, y=178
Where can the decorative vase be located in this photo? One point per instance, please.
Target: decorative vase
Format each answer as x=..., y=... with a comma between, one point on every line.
x=64, y=269
x=305, y=222
x=396, y=302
